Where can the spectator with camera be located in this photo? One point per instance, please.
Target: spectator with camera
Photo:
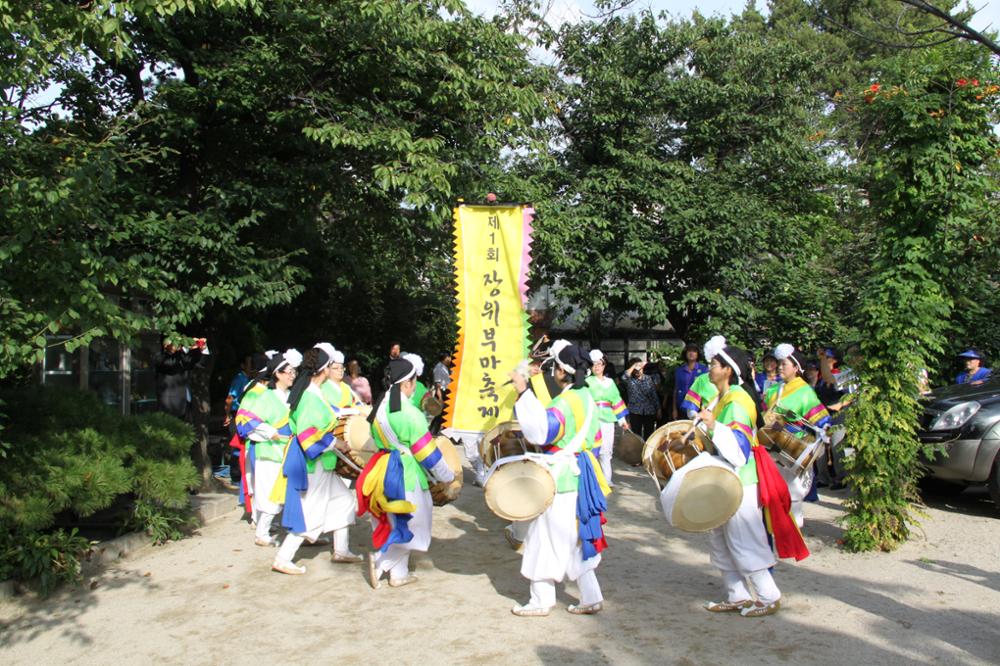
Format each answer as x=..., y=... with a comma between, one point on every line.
x=173, y=379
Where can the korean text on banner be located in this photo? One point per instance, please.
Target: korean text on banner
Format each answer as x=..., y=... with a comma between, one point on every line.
x=492, y=254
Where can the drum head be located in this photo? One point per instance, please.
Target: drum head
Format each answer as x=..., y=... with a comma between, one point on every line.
x=493, y=437
x=653, y=460
x=629, y=449
x=450, y=454
x=357, y=432
x=431, y=405
x=702, y=495
x=519, y=490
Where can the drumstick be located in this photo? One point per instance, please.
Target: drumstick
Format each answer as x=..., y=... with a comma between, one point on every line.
x=542, y=340
x=350, y=463
x=698, y=420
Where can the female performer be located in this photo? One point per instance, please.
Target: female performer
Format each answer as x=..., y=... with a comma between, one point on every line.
x=567, y=539
x=740, y=548
x=316, y=499
x=610, y=408
x=394, y=484
x=263, y=416
x=803, y=411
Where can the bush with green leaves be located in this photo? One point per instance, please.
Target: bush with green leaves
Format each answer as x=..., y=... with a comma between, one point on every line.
x=69, y=454
x=929, y=166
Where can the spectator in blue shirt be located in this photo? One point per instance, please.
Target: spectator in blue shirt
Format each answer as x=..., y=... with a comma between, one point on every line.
x=236, y=387
x=769, y=377
x=684, y=376
x=974, y=373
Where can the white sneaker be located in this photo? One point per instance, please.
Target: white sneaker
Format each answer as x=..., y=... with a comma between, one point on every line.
x=287, y=568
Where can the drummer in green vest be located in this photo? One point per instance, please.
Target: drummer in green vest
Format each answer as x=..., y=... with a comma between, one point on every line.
x=740, y=548
x=317, y=501
x=546, y=387
x=700, y=395
x=566, y=540
x=611, y=409
x=336, y=391
x=264, y=417
x=408, y=462
x=803, y=413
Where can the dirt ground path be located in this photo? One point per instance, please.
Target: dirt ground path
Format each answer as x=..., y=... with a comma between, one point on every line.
x=211, y=599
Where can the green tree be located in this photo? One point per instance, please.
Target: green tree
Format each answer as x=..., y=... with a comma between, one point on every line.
x=688, y=182
x=92, y=241
x=929, y=165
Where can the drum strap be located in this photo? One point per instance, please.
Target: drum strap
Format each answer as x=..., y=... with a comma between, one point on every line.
x=382, y=416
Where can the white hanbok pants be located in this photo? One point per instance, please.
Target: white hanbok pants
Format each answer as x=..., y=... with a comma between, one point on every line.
x=396, y=558
x=607, y=448
x=740, y=551
x=552, y=552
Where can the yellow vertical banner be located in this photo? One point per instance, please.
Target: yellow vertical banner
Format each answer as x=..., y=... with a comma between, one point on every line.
x=492, y=255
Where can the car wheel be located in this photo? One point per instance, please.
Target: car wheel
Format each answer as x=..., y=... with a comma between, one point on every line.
x=994, y=482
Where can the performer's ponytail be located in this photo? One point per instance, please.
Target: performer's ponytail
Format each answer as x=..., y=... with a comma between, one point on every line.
x=313, y=362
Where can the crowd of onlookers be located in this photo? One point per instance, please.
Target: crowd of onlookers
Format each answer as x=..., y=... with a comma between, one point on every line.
x=654, y=390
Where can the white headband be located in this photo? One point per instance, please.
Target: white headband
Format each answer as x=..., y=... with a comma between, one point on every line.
x=732, y=364
x=554, y=352
x=785, y=350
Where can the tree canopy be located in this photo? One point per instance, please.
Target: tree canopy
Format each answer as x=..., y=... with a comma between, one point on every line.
x=284, y=171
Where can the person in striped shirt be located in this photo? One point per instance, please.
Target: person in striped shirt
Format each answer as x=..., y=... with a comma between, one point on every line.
x=805, y=414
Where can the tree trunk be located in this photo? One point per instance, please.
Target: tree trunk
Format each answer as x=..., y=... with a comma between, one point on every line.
x=201, y=412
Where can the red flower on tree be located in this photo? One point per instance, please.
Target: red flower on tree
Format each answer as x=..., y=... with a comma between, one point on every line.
x=962, y=83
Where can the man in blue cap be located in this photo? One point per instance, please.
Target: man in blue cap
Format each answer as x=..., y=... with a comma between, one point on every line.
x=974, y=373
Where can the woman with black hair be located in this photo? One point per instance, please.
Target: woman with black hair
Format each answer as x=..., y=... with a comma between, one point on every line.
x=684, y=376
x=268, y=427
x=566, y=540
x=803, y=413
x=740, y=548
x=246, y=422
x=316, y=499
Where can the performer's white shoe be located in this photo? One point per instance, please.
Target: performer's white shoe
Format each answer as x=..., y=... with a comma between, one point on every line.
x=527, y=611
x=589, y=609
x=287, y=568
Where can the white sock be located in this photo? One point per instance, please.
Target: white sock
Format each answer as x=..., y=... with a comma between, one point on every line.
x=395, y=560
x=736, y=586
x=289, y=547
x=763, y=584
x=264, y=521
x=543, y=594
x=342, y=541
x=590, y=589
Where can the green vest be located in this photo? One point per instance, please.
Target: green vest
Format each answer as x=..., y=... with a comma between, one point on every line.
x=736, y=410
x=573, y=405
x=604, y=391
x=271, y=408
x=314, y=418
x=410, y=426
